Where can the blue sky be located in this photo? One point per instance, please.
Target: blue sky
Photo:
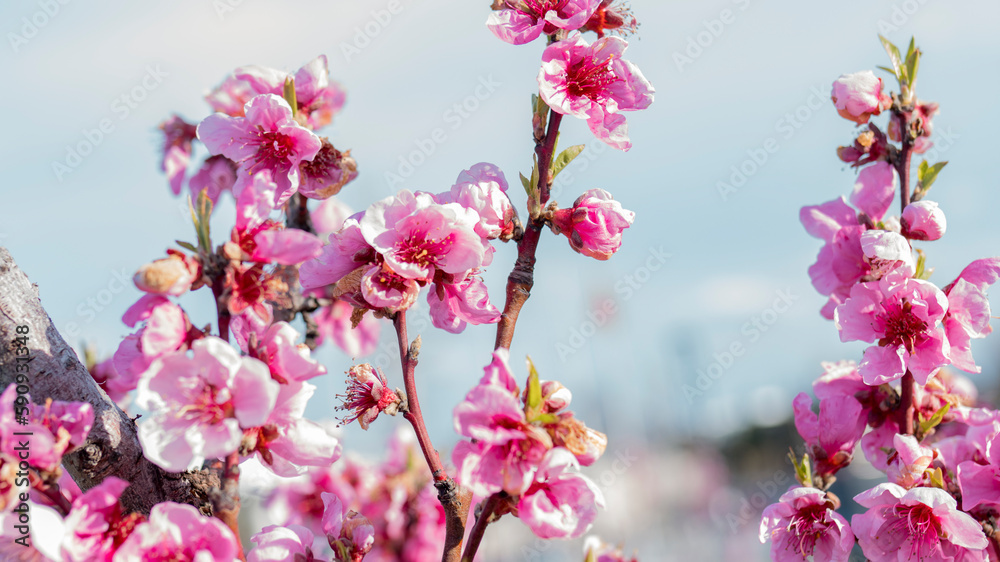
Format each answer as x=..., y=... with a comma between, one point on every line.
x=764, y=75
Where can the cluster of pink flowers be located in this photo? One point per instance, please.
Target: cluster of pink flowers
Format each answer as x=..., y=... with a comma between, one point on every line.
x=396, y=496
x=926, y=434
x=530, y=446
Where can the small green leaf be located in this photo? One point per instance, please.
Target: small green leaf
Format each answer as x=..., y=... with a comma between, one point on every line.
x=921, y=265
x=186, y=245
x=565, y=157
x=202, y=215
x=927, y=425
x=926, y=176
x=937, y=478
x=288, y=92
x=889, y=70
x=534, y=400
x=897, y=61
x=912, y=63
x=591, y=555
x=526, y=183
x=545, y=419
x=803, y=471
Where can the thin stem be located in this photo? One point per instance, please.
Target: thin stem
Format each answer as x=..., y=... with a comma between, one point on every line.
x=51, y=492
x=222, y=305
x=903, y=159
x=226, y=499
x=906, y=406
x=454, y=500
x=479, y=529
x=521, y=277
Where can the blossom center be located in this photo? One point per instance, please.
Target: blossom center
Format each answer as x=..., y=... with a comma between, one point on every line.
x=902, y=327
x=274, y=149
x=417, y=248
x=914, y=523
x=537, y=8
x=590, y=78
x=805, y=527
x=210, y=406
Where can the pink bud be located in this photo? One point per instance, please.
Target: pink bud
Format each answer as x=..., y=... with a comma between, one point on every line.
x=858, y=96
x=923, y=220
x=594, y=225
x=172, y=275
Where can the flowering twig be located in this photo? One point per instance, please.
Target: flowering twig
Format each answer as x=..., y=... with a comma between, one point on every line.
x=221, y=305
x=521, y=278
x=479, y=529
x=454, y=500
x=902, y=165
x=226, y=499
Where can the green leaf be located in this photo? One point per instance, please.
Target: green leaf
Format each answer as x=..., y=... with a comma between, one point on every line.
x=186, y=245
x=545, y=419
x=912, y=63
x=526, y=183
x=565, y=157
x=803, y=472
x=897, y=61
x=534, y=401
x=926, y=176
x=937, y=478
x=927, y=425
x=202, y=214
x=591, y=555
x=921, y=265
x=288, y=92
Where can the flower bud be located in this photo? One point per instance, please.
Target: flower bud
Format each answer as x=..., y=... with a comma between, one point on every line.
x=923, y=220
x=173, y=275
x=586, y=444
x=327, y=173
x=594, y=225
x=858, y=96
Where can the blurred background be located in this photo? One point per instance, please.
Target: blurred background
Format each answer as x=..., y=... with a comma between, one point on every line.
x=716, y=255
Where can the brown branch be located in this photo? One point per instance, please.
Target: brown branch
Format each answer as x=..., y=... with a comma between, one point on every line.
x=226, y=498
x=112, y=448
x=479, y=529
x=521, y=278
x=454, y=499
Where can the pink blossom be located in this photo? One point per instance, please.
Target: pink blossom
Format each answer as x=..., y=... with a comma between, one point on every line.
x=871, y=145
x=969, y=313
x=858, y=96
x=287, y=360
x=918, y=524
x=289, y=246
x=287, y=443
x=614, y=16
x=165, y=331
x=877, y=444
x=217, y=174
x=318, y=98
x=909, y=461
x=326, y=174
x=368, y=395
x=454, y=305
x=381, y=287
x=231, y=96
x=833, y=433
x=200, y=403
x=841, y=261
x=95, y=523
x=178, y=135
x=904, y=316
x=595, y=83
x=350, y=534
x=483, y=188
x=329, y=216
x=924, y=112
x=51, y=431
x=334, y=323
x=559, y=503
x=521, y=21
x=255, y=203
x=802, y=526
x=506, y=449
x=108, y=378
x=874, y=190
x=268, y=138
x=980, y=483
x=281, y=544
x=178, y=532
x=923, y=220
x=886, y=252
x=594, y=225
x=418, y=237
x=347, y=251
